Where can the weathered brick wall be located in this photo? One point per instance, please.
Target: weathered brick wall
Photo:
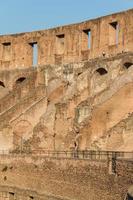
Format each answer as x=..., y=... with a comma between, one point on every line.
x=69, y=44
x=82, y=104
x=11, y=193
x=67, y=178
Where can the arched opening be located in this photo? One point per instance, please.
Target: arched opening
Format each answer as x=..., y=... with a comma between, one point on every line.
x=99, y=78
x=127, y=64
x=20, y=80
x=2, y=84
x=21, y=134
x=101, y=71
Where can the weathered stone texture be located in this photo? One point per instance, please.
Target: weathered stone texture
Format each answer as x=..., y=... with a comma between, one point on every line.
x=83, y=104
x=75, y=96
x=69, y=44
x=65, y=179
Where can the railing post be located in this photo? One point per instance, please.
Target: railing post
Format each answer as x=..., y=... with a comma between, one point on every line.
x=75, y=154
x=83, y=154
x=112, y=163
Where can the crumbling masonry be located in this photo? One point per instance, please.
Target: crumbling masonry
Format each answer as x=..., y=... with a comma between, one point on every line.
x=68, y=88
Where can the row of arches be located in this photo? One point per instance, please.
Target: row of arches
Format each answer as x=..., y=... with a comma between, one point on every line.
x=102, y=71
x=18, y=81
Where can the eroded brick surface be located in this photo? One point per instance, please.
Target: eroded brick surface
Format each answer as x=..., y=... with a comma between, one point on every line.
x=75, y=93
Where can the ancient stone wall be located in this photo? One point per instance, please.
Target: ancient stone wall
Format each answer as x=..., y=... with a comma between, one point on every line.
x=67, y=89
x=100, y=37
x=65, y=178
x=80, y=95
x=80, y=105
x=12, y=193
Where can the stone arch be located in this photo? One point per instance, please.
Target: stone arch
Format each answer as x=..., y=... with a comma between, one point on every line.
x=99, y=80
x=22, y=131
x=127, y=65
x=20, y=80
x=17, y=81
x=101, y=71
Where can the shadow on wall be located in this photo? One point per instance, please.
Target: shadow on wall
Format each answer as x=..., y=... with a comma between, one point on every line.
x=99, y=80
x=3, y=90
x=129, y=197
x=2, y=84
x=20, y=80
x=128, y=64
x=130, y=193
x=101, y=71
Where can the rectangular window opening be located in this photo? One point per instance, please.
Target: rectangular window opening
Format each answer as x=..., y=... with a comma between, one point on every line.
x=113, y=33
x=60, y=43
x=31, y=197
x=7, y=44
x=11, y=193
x=6, y=51
x=87, y=38
x=34, y=46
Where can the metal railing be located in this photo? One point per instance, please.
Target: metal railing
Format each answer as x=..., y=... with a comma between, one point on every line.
x=86, y=154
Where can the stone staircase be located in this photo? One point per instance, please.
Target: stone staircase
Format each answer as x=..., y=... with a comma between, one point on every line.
x=22, y=105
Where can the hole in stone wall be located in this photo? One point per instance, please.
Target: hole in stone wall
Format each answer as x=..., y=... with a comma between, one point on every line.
x=6, y=51
x=12, y=193
x=129, y=197
x=5, y=168
x=79, y=73
x=86, y=39
x=113, y=33
x=101, y=71
x=128, y=64
x=2, y=84
x=20, y=80
x=60, y=42
x=34, y=46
